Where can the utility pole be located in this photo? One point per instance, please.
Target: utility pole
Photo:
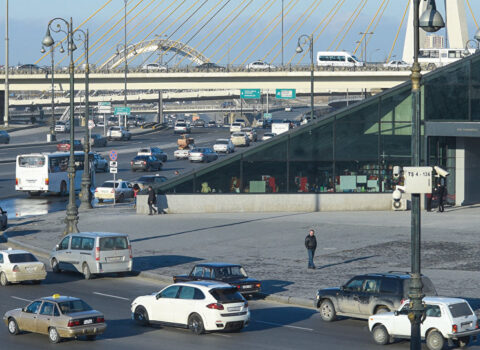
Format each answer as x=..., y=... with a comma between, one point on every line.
x=7, y=92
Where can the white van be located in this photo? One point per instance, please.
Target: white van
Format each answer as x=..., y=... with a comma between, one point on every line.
x=338, y=59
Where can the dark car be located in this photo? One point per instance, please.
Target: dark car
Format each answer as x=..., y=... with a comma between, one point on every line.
x=209, y=65
x=212, y=124
x=64, y=145
x=224, y=272
x=153, y=151
x=146, y=163
x=97, y=140
x=3, y=219
x=149, y=180
x=4, y=137
x=368, y=294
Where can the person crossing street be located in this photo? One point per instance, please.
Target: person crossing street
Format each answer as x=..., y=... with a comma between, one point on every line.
x=311, y=245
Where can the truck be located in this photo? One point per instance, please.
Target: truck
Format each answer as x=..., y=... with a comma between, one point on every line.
x=280, y=128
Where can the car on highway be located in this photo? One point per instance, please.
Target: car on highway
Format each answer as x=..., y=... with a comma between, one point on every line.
x=99, y=163
x=233, y=274
x=153, y=151
x=251, y=133
x=112, y=120
x=224, y=146
x=240, y=139
x=259, y=65
x=58, y=317
x=199, y=123
x=146, y=163
x=120, y=190
x=212, y=124
x=367, y=294
x=4, y=137
x=288, y=109
x=397, y=64
x=92, y=253
x=62, y=126
x=118, y=133
x=149, y=180
x=235, y=127
x=3, y=219
x=268, y=136
x=30, y=68
x=182, y=153
x=98, y=140
x=18, y=266
x=198, y=306
x=209, y=65
x=449, y=320
x=154, y=67
x=64, y=145
x=181, y=128
x=202, y=154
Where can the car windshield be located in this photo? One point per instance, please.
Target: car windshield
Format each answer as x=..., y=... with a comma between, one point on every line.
x=145, y=179
x=460, y=309
x=181, y=124
x=140, y=158
x=222, y=142
x=227, y=295
x=144, y=150
x=113, y=243
x=72, y=306
x=31, y=161
x=109, y=184
x=238, y=134
x=21, y=258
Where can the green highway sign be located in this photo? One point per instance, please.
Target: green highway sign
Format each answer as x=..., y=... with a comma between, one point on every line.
x=250, y=93
x=267, y=115
x=122, y=110
x=286, y=94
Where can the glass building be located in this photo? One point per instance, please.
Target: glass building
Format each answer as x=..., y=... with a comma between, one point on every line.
x=355, y=149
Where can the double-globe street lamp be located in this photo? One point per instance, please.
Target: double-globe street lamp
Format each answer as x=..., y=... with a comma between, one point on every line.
x=303, y=40
x=51, y=133
x=71, y=219
x=430, y=21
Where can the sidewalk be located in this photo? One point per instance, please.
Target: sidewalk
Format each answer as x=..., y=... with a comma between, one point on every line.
x=271, y=246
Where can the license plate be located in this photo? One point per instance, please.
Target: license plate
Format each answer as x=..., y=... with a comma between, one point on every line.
x=466, y=324
x=29, y=269
x=231, y=309
x=114, y=259
x=247, y=286
x=89, y=321
x=138, y=162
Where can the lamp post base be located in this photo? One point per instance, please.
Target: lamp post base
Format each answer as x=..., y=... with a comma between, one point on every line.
x=85, y=196
x=71, y=221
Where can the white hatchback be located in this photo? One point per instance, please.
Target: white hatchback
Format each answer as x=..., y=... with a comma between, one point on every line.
x=198, y=306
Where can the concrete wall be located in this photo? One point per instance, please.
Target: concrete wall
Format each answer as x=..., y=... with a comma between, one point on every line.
x=472, y=170
x=231, y=203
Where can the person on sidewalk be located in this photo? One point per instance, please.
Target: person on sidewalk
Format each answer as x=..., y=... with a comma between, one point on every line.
x=311, y=245
x=152, y=200
x=440, y=195
x=136, y=189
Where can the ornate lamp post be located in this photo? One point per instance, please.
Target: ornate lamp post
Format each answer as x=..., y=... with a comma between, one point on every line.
x=52, y=136
x=72, y=212
x=430, y=21
x=302, y=41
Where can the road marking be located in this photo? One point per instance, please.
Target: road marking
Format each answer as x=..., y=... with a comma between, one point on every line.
x=22, y=299
x=222, y=335
x=284, y=325
x=110, y=296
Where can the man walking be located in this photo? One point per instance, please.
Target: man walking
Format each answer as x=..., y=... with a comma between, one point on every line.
x=152, y=200
x=311, y=245
x=440, y=195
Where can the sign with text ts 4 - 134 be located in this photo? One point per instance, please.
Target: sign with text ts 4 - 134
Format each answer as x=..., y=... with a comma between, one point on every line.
x=418, y=179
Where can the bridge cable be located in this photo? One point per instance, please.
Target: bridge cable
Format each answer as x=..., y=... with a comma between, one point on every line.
x=471, y=12
x=337, y=9
x=212, y=31
x=271, y=30
x=398, y=31
x=81, y=24
x=367, y=31
x=378, y=21
x=343, y=28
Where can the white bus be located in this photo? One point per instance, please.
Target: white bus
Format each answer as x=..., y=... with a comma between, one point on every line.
x=337, y=59
x=39, y=173
x=433, y=58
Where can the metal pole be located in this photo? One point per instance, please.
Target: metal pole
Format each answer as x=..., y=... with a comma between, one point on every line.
x=86, y=202
x=52, y=121
x=282, y=33
x=7, y=90
x=72, y=212
x=160, y=107
x=312, y=91
x=125, y=56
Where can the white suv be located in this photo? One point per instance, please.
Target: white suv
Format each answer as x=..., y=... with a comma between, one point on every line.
x=118, y=133
x=450, y=319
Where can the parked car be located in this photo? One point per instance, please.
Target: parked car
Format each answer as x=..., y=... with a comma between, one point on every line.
x=120, y=190
x=240, y=139
x=251, y=133
x=224, y=146
x=446, y=319
x=268, y=136
x=3, y=219
x=153, y=151
x=97, y=140
x=58, y=317
x=154, y=67
x=368, y=294
x=235, y=127
x=232, y=274
x=62, y=126
x=146, y=163
x=198, y=306
x=149, y=180
x=64, y=145
x=118, y=133
x=92, y=253
x=397, y=64
x=4, y=137
x=199, y=123
x=259, y=65
x=202, y=154
x=99, y=163
x=19, y=266
x=181, y=128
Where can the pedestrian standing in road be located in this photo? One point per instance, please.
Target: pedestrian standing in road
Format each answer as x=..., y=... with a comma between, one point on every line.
x=440, y=195
x=152, y=200
x=311, y=245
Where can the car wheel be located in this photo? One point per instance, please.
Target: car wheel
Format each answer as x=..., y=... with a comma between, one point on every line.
x=63, y=189
x=380, y=335
x=55, y=267
x=53, y=335
x=141, y=316
x=381, y=310
x=3, y=279
x=91, y=337
x=86, y=271
x=195, y=324
x=13, y=326
x=435, y=340
x=327, y=311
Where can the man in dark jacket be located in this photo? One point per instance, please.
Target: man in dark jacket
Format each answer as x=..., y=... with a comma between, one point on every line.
x=152, y=200
x=311, y=245
x=440, y=195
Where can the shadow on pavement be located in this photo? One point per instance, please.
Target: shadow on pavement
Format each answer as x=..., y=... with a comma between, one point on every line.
x=346, y=261
x=20, y=233
x=275, y=317
x=275, y=286
x=145, y=263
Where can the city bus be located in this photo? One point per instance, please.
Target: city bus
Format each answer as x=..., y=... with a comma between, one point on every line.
x=433, y=58
x=38, y=173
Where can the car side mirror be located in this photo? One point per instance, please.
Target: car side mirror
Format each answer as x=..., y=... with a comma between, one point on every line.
x=57, y=247
x=396, y=313
x=158, y=296
x=342, y=288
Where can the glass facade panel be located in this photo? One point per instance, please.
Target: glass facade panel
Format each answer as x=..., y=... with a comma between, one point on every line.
x=223, y=179
x=311, y=176
x=264, y=177
x=316, y=143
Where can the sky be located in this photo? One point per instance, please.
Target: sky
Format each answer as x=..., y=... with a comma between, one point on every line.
x=207, y=25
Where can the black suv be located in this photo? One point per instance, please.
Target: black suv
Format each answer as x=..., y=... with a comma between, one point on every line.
x=368, y=294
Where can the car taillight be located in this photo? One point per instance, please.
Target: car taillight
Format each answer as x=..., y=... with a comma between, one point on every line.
x=239, y=287
x=257, y=285
x=454, y=328
x=130, y=251
x=16, y=268
x=144, y=163
x=100, y=319
x=96, y=190
x=47, y=181
x=201, y=154
x=131, y=162
x=112, y=191
x=16, y=181
x=97, y=253
x=73, y=323
x=477, y=325
x=215, y=306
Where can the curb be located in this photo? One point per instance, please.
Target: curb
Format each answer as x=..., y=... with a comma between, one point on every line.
x=281, y=299
x=20, y=128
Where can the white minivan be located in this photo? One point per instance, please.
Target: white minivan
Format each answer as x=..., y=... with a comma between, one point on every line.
x=338, y=59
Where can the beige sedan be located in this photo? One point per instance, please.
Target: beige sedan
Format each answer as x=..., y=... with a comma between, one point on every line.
x=18, y=266
x=58, y=317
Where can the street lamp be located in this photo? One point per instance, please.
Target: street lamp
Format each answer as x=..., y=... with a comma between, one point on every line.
x=86, y=195
x=302, y=41
x=51, y=136
x=365, y=44
x=122, y=47
x=72, y=212
x=468, y=47
x=430, y=21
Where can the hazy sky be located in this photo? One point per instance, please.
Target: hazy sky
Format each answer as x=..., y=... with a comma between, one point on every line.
x=254, y=34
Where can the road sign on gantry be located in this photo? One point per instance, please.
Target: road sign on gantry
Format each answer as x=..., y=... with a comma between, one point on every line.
x=285, y=94
x=250, y=93
x=113, y=155
x=122, y=110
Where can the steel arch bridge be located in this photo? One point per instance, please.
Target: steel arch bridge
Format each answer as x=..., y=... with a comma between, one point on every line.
x=154, y=45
